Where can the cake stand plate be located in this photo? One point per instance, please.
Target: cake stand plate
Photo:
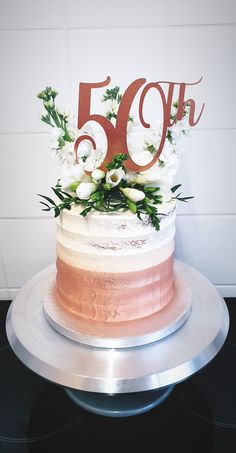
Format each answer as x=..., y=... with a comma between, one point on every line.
x=122, y=334
x=116, y=371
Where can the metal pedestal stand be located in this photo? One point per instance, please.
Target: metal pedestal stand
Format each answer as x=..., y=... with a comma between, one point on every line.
x=117, y=381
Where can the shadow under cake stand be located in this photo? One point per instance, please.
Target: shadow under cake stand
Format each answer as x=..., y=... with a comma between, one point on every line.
x=125, y=375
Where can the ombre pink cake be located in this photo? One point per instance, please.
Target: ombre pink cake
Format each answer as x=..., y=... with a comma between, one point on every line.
x=113, y=267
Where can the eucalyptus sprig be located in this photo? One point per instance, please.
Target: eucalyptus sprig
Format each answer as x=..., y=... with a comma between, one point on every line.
x=53, y=117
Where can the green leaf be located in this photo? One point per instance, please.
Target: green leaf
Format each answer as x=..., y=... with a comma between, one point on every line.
x=47, y=207
x=151, y=189
x=68, y=195
x=132, y=206
x=73, y=186
x=184, y=199
x=169, y=136
x=58, y=184
x=117, y=161
x=58, y=193
x=151, y=149
x=48, y=199
x=95, y=196
x=173, y=189
x=139, y=215
x=46, y=119
x=57, y=211
x=86, y=211
x=111, y=94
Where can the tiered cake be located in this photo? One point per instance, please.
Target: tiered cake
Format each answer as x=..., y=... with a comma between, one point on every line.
x=116, y=214
x=114, y=267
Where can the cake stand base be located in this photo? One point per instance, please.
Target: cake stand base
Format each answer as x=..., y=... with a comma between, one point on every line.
x=132, y=371
x=121, y=405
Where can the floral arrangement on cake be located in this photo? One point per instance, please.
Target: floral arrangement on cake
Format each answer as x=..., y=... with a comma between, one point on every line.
x=116, y=188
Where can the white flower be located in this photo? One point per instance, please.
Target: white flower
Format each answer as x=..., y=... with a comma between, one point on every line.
x=94, y=160
x=97, y=175
x=66, y=154
x=111, y=106
x=57, y=132
x=85, y=190
x=142, y=157
x=72, y=174
x=72, y=131
x=113, y=177
x=157, y=127
x=153, y=139
x=66, y=113
x=174, y=110
x=132, y=122
x=133, y=194
x=156, y=176
x=113, y=121
x=84, y=149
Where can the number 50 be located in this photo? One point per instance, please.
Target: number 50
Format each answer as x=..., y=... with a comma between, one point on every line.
x=117, y=136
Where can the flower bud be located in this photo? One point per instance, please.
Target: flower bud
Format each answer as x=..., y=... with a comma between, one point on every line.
x=73, y=186
x=134, y=195
x=97, y=175
x=85, y=189
x=48, y=104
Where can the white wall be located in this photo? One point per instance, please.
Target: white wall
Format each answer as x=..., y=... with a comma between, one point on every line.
x=61, y=43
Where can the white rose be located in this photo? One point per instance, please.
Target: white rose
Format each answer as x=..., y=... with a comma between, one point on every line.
x=133, y=194
x=97, y=175
x=85, y=190
x=113, y=177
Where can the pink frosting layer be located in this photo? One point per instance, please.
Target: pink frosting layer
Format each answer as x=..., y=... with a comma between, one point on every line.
x=114, y=297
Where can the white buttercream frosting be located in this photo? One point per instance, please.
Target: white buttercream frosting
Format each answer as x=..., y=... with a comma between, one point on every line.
x=114, y=242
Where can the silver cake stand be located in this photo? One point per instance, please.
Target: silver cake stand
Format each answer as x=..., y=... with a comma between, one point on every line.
x=118, y=381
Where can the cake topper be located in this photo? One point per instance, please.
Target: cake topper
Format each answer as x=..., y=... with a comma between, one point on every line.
x=119, y=173
x=117, y=135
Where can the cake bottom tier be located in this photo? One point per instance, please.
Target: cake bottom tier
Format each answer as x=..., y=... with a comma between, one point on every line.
x=114, y=297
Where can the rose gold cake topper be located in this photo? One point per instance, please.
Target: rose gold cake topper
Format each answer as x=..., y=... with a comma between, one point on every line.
x=117, y=135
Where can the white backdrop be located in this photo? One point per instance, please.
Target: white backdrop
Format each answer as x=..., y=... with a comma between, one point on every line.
x=60, y=43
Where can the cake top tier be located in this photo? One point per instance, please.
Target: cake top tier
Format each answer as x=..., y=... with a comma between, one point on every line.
x=115, y=162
